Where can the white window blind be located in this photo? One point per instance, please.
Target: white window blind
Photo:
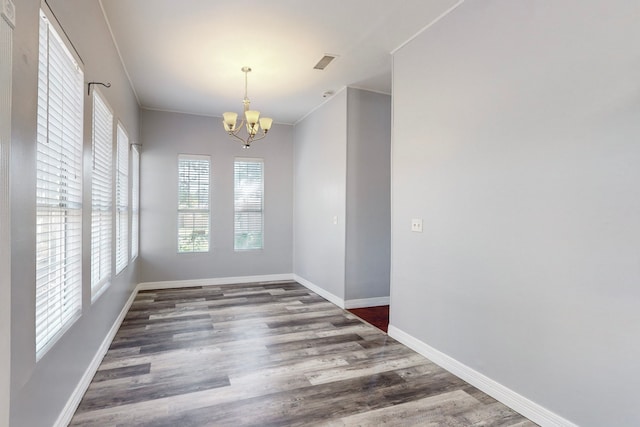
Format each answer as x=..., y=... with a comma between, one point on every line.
x=135, y=200
x=6, y=53
x=58, y=188
x=248, y=202
x=122, y=200
x=193, y=203
x=101, y=195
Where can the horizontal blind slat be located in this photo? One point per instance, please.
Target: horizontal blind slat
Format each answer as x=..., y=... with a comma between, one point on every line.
x=58, y=188
x=248, y=204
x=193, y=203
x=135, y=200
x=101, y=195
x=122, y=199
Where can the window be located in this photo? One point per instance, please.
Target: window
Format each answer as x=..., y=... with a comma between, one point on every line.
x=122, y=201
x=193, y=203
x=135, y=199
x=58, y=188
x=248, y=202
x=101, y=195
x=6, y=53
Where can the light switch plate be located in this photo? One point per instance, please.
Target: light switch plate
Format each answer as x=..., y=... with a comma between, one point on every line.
x=335, y=220
x=416, y=225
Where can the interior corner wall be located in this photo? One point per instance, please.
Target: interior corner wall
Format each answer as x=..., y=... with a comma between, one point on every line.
x=515, y=138
x=40, y=391
x=320, y=151
x=368, y=229
x=164, y=136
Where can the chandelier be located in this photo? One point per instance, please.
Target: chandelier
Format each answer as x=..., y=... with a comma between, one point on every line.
x=251, y=118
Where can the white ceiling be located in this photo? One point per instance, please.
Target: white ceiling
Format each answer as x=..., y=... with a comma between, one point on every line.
x=186, y=55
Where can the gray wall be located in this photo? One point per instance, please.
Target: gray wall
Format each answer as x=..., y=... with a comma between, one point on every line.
x=40, y=390
x=342, y=171
x=368, y=230
x=516, y=130
x=164, y=136
x=320, y=195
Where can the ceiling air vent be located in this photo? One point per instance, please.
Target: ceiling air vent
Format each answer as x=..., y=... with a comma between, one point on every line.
x=326, y=60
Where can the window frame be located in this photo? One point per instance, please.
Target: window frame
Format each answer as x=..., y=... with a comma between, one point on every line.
x=121, y=204
x=102, y=175
x=182, y=212
x=236, y=210
x=135, y=201
x=59, y=186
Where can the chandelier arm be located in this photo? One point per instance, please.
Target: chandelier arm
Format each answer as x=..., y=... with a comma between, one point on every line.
x=238, y=128
x=238, y=138
x=258, y=138
x=249, y=139
x=242, y=122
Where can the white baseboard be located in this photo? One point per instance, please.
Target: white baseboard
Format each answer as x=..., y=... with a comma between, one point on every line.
x=214, y=281
x=318, y=290
x=366, y=302
x=76, y=397
x=515, y=401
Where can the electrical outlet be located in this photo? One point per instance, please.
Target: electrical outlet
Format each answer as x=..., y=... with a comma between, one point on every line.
x=335, y=220
x=416, y=225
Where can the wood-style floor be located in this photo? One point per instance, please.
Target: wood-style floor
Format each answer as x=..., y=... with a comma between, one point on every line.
x=270, y=354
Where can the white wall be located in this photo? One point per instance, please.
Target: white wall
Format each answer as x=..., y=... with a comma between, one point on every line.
x=516, y=138
x=368, y=196
x=320, y=195
x=164, y=136
x=40, y=390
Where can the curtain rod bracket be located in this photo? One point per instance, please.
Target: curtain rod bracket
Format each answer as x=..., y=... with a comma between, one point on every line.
x=107, y=85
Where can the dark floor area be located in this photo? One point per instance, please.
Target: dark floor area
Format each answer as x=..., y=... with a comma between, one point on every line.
x=377, y=316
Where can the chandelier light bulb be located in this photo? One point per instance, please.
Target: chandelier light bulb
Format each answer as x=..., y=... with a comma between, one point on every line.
x=265, y=123
x=252, y=117
x=229, y=120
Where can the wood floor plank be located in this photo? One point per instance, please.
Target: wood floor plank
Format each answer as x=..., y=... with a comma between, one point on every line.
x=270, y=354
x=152, y=391
x=439, y=410
x=122, y=372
